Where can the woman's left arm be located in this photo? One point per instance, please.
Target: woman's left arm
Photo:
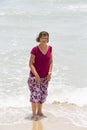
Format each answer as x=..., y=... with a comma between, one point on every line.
x=51, y=65
x=50, y=68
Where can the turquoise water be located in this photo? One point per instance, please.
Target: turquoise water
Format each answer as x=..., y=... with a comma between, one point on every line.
x=20, y=23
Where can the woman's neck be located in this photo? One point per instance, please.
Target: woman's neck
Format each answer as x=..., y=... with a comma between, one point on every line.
x=43, y=45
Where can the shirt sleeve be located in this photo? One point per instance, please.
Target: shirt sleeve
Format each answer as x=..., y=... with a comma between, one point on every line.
x=33, y=51
x=50, y=48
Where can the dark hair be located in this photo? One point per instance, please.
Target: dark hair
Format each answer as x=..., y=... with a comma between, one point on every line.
x=43, y=33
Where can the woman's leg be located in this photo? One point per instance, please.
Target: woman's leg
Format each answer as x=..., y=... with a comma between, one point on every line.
x=34, y=111
x=39, y=108
x=43, y=92
x=33, y=96
x=34, y=108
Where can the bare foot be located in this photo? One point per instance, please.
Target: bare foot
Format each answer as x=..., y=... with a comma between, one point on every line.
x=41, y=114
x=35, y=117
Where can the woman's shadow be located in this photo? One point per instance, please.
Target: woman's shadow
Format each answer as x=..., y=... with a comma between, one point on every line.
x=29, y=117
x=36, y=125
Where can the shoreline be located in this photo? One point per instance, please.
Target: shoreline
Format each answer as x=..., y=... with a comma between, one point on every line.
x=61, y=123
x=59, y=115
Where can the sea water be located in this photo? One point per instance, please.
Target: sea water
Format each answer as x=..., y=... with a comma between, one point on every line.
x=20, y=23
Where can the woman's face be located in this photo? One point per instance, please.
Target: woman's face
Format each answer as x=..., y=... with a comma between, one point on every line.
x=44, y=39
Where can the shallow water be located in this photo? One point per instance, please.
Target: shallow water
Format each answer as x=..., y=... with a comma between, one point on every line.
x=20, y=23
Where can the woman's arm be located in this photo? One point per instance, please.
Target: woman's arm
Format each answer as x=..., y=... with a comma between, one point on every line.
x=31, y=61
x=51, y=64
x=50, y=69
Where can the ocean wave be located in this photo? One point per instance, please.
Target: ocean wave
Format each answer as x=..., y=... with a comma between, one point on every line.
x=78, y=7
x=77, y=115
x=77, y=96
x=45, y=11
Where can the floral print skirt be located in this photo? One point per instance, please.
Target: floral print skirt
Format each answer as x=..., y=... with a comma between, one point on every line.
x=38, y=92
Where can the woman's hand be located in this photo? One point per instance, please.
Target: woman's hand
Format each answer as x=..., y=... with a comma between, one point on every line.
x=48, y=77
x=37, y=78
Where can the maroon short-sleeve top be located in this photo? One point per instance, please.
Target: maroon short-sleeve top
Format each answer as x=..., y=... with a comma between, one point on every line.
x=42, y=61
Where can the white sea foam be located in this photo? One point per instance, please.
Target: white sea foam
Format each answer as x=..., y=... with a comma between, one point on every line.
x=20, y=22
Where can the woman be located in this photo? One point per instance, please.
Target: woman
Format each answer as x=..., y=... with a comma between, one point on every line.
x=40, y=64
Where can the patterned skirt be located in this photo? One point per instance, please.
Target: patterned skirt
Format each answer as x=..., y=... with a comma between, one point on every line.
x=38, y=92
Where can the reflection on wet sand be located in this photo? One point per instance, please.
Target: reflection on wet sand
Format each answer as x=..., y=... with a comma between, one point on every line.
x=37, y=125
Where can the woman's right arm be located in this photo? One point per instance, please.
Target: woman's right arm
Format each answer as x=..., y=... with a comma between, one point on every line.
x=31, y=61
